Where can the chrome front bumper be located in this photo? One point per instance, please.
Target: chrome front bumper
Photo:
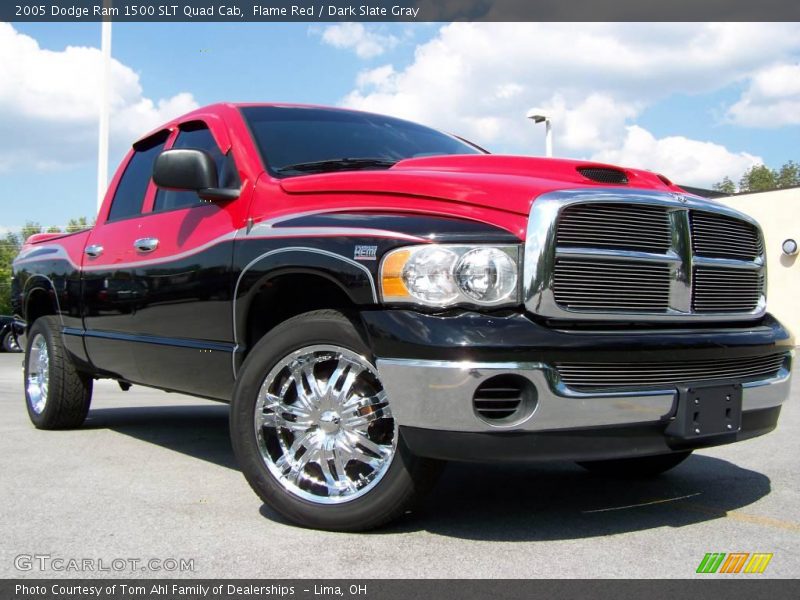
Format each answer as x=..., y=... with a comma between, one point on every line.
x=438, y=395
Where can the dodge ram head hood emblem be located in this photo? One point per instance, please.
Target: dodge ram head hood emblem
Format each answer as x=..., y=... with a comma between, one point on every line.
x=679, y=197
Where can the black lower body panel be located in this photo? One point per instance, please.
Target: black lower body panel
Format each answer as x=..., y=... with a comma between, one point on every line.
x=594, y=443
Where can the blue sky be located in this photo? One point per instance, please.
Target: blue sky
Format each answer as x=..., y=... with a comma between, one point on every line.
x=689, y=100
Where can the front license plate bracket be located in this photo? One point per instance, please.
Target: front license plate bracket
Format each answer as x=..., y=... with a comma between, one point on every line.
x=707, y=410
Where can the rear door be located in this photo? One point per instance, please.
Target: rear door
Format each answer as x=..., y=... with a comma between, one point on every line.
x=111, y=295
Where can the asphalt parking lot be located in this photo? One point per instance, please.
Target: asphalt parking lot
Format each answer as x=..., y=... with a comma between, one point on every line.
x=152, y=476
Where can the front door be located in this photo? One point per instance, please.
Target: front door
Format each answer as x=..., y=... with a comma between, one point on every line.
x=159, y=297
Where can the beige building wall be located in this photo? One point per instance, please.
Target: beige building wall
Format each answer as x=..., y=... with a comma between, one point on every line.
x=778, y=212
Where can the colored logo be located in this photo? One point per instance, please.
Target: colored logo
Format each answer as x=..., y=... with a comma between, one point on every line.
x=735, y=562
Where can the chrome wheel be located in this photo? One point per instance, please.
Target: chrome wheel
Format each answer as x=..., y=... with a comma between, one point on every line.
x=323, y=425
x=10, y=343
x=38, y=373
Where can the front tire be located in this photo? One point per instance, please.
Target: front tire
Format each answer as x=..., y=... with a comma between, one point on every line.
x=57, y=395
x=313, y=431
x=637, y=467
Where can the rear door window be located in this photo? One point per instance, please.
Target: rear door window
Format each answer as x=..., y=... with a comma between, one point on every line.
x=132, y=188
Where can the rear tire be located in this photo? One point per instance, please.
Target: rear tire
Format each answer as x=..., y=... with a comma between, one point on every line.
x=9, y=343
x=312, y=429
x=57, y=395
x=638, y=467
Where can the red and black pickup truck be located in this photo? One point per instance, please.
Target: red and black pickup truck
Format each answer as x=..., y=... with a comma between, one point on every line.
x=374, y=297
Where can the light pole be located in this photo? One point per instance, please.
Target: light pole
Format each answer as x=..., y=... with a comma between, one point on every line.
x=105, y=98
x=538, y=116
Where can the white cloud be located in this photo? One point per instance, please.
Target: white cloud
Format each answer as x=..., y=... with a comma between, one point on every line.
x=595, y=79
x=771, y=100
x=505, y=91
x=49, y=102
x=376, y=78
x=591, y=124
x=354, y=36
x=682, y=159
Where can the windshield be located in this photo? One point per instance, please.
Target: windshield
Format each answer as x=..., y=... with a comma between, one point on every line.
x=291, y=139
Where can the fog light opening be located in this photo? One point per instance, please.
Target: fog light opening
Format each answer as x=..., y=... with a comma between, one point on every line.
x=506, y=399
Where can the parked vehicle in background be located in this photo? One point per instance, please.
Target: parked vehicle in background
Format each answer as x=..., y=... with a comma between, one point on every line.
x=9, y=327
x=375, y=297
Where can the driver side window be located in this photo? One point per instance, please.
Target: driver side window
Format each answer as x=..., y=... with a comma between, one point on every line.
x=197, y=136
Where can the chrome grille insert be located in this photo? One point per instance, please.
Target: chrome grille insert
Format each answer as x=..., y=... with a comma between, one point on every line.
x=719, y=236
x=611, y=285
x=638, y=255
x=726, y=290
x=632, y=226
x=619, y=375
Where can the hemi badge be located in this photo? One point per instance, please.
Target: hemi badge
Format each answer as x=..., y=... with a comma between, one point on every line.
x=365, y=252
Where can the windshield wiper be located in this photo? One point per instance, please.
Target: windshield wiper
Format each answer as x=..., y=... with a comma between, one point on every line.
x=338, y=164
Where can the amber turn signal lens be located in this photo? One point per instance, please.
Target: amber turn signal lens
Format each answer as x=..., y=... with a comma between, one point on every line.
x=392, y=285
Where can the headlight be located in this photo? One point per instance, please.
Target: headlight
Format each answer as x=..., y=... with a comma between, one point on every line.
x=446, y=275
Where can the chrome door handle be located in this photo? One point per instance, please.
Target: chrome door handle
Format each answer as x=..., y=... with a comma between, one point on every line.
x=145, y=245
x=93, y=251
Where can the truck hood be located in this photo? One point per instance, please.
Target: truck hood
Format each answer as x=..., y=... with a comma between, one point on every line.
x=508, y=183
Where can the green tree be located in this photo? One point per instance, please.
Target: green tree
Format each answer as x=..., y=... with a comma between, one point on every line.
x=758, y=178
x=9, y=247
x=788, y=175
x=77, y=224
x=30, y=228
x=726, y=186
x=761, y=178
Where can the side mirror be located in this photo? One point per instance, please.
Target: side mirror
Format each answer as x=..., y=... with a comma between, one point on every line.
x=186, y=169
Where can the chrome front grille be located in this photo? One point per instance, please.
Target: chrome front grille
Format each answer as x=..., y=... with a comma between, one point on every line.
x=718, y=236
x=726, y=290
x=621, y=375
x=631, y=226
x=626, y=254
x=611, y=285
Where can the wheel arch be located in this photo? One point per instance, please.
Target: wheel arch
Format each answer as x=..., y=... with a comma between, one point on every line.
x=284, y=283
x=40, y=299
